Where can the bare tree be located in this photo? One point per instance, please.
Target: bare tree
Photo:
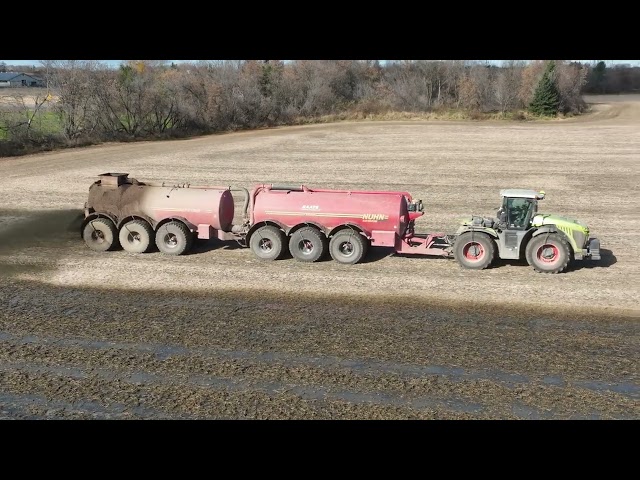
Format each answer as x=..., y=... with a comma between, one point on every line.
x=469, y=95
x=531, y=75
x=507, y=85
x=411, y=86
x=72, y=83
x=570, y=80
x=126, y=99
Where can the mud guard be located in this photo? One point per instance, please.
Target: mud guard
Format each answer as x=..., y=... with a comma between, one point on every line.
x=264, y=223
x=489, y=231
x=93, y=216
x=545, y=229
x=189, y=225
x=149, y=220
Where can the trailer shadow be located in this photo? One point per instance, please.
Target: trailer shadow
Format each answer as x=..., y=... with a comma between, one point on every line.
x=204, y=246
x=607, y=259
x=430, y=258
x=376, y=254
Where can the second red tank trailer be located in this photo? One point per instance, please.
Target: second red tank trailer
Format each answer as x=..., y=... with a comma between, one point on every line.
x=309, y=223
x=345, y=223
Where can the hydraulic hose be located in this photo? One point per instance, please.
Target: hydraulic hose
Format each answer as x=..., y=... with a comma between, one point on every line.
x=245, y=207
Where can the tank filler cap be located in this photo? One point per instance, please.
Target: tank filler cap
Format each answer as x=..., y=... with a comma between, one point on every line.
x=283, y=186
x=115, y=179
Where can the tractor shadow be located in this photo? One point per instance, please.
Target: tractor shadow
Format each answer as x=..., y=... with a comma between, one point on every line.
x=607, y=258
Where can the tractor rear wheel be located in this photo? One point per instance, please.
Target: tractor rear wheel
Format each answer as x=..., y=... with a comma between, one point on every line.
x=100, y=235
x=548, y=253
x=267, y=242
x=136, y=236
x=308, y=244
x=474, y=250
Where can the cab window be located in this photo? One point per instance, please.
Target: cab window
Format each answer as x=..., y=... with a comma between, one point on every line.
x=517, y=210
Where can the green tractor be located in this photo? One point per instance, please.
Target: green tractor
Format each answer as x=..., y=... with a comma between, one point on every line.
x=549, y=243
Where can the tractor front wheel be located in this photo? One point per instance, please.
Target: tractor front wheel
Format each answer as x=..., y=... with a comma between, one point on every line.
x=548, y=253
x=474, y=250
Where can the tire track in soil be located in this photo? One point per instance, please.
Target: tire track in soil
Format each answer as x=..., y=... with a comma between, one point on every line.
x=271, y=389
x=322, y=400
x=38, y=407
x=374, y=368
x=332, y=385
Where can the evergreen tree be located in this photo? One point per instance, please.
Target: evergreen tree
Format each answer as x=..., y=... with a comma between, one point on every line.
x=600, y=75
x=546, y=98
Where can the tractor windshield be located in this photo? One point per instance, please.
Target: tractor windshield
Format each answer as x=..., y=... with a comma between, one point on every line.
x=519, y=211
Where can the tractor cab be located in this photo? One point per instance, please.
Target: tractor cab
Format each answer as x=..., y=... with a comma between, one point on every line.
x=519, y=206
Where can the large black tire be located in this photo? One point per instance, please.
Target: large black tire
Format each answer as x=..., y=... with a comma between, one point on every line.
x=267, y=243
x=366, y=243
x=474, y=250
x=308, y=244
x=348, y=247
x=174, y=238
x=548, y=253
x=100, y=235
x=136, y=236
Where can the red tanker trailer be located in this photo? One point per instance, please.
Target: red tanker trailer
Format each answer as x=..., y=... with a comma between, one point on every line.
x=122, y=211
x=342, y=222
x=307, y=222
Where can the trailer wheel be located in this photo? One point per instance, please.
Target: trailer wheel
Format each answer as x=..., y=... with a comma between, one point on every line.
x=548, y=253
x=100, y=235
x=267, y=242
x=308, y=244
x=474, y=250
x=348, y=247
x=136, y=236
x=173, y=238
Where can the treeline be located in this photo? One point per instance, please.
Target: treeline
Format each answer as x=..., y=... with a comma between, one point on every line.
x=612, y=80
x=86, y=102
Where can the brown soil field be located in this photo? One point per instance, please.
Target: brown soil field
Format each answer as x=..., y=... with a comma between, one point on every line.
x=221, y=334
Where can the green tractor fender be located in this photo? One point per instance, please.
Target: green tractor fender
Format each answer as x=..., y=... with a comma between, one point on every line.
x=554, y=229
x=467, y=228
x=535, y=231
x=545, y=229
